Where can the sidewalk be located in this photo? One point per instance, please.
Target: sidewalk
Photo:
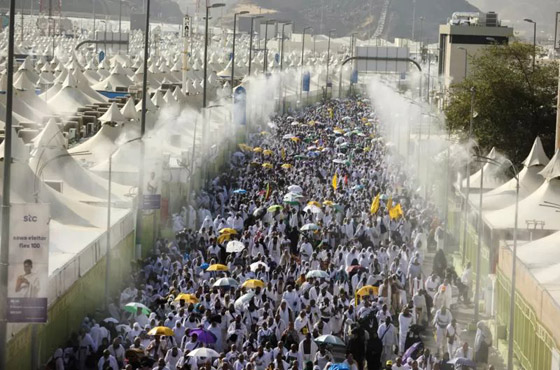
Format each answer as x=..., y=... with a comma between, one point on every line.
x=464, y=316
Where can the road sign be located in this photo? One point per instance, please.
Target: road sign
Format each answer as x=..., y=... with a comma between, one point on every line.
x=186, y=26
x=151, y=201
x=306, y=81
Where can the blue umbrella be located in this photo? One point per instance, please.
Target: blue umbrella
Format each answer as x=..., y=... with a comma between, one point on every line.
x=240, y=191
x=204, y=266
x=340, y=366
x=357, y=187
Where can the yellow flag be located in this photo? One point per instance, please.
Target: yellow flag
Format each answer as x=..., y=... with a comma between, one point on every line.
x=389, y=203
x=283, y=153
x=335, y=182
x=395, y=212
x=374, y=205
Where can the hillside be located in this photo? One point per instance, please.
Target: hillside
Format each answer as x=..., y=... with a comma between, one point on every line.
x=390, y=18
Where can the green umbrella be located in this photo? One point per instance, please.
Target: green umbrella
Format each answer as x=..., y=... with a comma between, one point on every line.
x=275, y=208
x=133, y=307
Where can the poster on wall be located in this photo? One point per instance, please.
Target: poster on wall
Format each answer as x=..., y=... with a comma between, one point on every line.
x=28, y=268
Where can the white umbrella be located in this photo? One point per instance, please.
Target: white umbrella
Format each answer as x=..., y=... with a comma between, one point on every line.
x=240, y=303
x=312, y=208
x=234, y=246
x=295, y=189
x=111, y=319
x=226, y=282
x=256, y=265
x=203, y=352
x=309, y=227
x=317, y=274
x=288, y=136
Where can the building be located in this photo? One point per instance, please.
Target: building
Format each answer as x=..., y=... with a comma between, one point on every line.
x=463, y=37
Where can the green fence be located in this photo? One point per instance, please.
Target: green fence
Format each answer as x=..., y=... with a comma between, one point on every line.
x=533, y=345
x=67, y=313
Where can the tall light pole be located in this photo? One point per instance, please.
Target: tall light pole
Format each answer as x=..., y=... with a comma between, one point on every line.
x=328, y=63
x=5, y=236
x=233, y=46
x=534, y=40
x=282, y=47
x=303, y=43
x=466, y=60
x=205, y=82
x=120, y=21
x=468, y=174
x=265, y=64
x=251, y=41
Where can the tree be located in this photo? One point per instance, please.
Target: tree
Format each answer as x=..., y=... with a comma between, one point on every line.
x=514, y=104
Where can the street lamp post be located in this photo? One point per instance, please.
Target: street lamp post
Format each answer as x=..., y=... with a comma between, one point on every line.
x=6, y=188
x=468, y=174
x=328, y=63
x=205, y=82
x=233, y=46
x=251, y=41
x=282, y=46
x=466, y=60
x=265, y=64
x=534, y=40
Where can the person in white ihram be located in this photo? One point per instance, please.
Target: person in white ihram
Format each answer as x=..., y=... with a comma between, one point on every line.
x=28, y=284
x=442, y=318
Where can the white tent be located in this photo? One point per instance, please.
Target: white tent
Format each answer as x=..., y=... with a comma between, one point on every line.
x=529, y=181
x=534, y=206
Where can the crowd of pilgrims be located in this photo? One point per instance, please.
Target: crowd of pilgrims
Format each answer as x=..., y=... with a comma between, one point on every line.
x=305, y=205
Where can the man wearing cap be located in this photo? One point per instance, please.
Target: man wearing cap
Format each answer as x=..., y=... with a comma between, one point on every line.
x=442, y=318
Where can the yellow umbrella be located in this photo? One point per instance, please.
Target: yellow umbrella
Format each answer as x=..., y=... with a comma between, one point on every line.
x=367, y=290
x=257, y=149
x=253, y=283
x=328, y=203
x=161, y=330
x=228, y=230
x=311, y=123
x=314, y=203
x=267, y=165
x=296, y=139
x=286, y=166
x=264, y=133
x=245, y=147
x=255, y=164
x=189, y=298
x=217, y=267
x=268, y=152
x=224, y=238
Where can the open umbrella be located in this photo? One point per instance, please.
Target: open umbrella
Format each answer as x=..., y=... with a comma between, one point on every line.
x=204, y=266
x=462, y=361
x=317, y=274
x=204, y=352
x=310, y=227
x=204, y=336
x=314, y=203
x=259, y=212
x=226, y=283
x=189, y=298
x=368, y=290
x=256, y=265
x=312, y=208
x=357, y=187
x=217, y=267
x=268, y=152
x=228, y=230
x=253, y=283
x=330, y=340
x=240, y=302
x=111, y=319
x=234, y=246
x=295, y=189
x=161, y=330
x=240, y=191
x=286, y=166
x=275, y=208
x=354, y=268
x=257, y=150
x=267, y=165
x=134, y=306
x=288, y=136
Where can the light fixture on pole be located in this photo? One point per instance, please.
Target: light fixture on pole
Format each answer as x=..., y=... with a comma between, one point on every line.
x=282, y=46
x=534, y=40
x=233, y=46
x=6, y=188
x=205, y=81
x=328, y=63
x=251, y=41
x=468, y=174
x=466, y=60
x=265, y=64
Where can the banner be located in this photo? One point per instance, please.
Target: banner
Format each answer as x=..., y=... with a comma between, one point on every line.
x=28, y=268
x=240, y=106
x=354, y=77
x=306, y=81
